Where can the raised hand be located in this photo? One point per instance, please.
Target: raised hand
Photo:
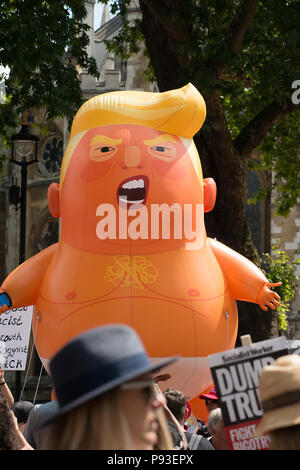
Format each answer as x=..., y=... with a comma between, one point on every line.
x=5, y=302
x=1, y=375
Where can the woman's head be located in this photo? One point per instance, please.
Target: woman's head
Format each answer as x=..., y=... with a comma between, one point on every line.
x=140, y=404
x=105, y=390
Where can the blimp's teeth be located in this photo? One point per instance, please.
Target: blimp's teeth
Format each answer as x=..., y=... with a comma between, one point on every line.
x=125, y=200
x=133, y=184
x=136, y=202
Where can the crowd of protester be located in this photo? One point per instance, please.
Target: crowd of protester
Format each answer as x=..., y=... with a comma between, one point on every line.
x=105, y=376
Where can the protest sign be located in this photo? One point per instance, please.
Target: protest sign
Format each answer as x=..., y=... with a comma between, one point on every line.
x=294, y=346
x=15, y=326
x=236, y=376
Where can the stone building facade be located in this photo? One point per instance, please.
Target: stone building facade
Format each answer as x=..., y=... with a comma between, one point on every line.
x=287, y=231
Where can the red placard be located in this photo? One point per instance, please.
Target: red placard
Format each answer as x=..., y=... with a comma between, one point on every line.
x=241, y=437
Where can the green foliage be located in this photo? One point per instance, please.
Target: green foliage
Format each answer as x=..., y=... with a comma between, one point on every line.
x=128, y=40
x=281, y=153
x=268, y=64
x=278, y=266
x=42, y=43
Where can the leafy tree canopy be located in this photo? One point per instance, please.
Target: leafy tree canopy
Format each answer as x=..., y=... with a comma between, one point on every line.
x=41, y=43
x=247, y=53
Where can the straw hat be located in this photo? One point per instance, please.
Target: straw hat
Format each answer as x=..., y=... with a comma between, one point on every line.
x=279, y=391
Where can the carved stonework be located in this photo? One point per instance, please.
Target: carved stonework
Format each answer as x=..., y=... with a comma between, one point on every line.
x=51, y=156
x=49, y=233
x=44, y=232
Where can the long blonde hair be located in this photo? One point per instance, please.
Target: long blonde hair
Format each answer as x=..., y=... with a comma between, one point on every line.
x=285, y=438
x=99, y=424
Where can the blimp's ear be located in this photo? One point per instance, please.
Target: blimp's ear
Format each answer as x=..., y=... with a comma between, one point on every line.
x=210, y=194
x=53, y=199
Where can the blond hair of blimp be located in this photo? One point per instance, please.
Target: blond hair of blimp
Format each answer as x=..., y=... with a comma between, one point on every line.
x=180, y=112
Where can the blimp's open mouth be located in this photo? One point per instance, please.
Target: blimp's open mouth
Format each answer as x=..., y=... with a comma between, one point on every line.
x=133, y=190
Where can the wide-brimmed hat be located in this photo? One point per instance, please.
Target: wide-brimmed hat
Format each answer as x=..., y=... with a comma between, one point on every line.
x=97, y=361
x=212, y=395
x=279, y=392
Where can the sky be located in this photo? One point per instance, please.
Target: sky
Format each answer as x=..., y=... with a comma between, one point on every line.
x=97, y=15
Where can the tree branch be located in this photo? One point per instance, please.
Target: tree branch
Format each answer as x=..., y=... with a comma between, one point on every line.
x=255, y=131
x=241, y=24
x=161, y=11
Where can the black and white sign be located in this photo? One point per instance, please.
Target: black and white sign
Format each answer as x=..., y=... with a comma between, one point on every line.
x=236, y=377
x=15, y=326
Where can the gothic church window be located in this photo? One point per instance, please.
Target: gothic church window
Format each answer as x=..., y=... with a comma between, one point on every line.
x=51, y=156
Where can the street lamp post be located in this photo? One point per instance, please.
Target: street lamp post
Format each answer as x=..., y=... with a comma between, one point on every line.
x=24, y=148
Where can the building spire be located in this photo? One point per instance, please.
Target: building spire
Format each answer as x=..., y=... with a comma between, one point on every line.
x=105, y=15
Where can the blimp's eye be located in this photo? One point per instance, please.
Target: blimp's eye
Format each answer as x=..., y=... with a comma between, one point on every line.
x=105, y=149
x=158, y=148
x=100, y=153
x=166, y=153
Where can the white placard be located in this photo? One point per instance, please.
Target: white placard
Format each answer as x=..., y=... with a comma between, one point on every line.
x=15, y=326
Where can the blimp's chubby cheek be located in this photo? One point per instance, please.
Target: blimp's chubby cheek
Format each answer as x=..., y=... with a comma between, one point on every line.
x=172, y=171
x=92, y=171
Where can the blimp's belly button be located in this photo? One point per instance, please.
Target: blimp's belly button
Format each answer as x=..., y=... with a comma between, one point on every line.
x=71, y=296
x=194, y=292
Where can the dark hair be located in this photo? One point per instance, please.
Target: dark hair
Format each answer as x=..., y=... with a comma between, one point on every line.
x=176, y=402
x=22, y=410
x=8, y=438
x=175, y=434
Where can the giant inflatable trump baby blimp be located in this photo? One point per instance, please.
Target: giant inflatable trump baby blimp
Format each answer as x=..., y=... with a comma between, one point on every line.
x=133, y=247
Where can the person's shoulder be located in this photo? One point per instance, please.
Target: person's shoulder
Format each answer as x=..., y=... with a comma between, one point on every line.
x=43, y=409
x=204, y=444
x=198, y=442
x=48, y=405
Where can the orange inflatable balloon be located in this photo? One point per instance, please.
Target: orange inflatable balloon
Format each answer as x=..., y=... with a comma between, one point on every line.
x=133, y=247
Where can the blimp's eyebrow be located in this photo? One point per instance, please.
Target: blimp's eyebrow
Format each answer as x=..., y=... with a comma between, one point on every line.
x=160, y=139
x=103, y=139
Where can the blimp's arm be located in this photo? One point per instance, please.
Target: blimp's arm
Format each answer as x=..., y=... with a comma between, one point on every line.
x=246, y=281
x=21, y=286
